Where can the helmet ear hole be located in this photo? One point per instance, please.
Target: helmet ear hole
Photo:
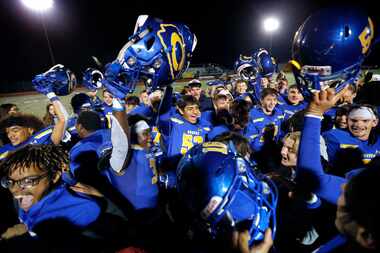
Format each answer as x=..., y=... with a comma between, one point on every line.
x=149, y=43
x=347, y=31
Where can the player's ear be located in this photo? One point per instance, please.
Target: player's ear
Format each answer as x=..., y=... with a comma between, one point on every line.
x=30, y=131
x=180, y=110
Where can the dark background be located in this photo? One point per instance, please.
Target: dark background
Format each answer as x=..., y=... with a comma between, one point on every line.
x=79, y=29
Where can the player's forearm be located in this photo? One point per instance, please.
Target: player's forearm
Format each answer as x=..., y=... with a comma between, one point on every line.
x=60, y=125
x=119, y=136
x=309, y=162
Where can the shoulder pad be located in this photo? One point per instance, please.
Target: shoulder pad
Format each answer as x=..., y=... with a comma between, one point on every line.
x=178, y=121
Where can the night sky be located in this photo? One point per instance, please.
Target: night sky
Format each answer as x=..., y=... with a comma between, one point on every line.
x=79, y=29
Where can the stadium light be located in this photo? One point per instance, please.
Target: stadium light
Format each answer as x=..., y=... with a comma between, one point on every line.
x=38, y=5
x=270, y=25
x=41, y=6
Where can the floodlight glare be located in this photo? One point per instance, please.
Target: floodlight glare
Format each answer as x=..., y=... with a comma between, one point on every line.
x=271, y=24
x=38, y=5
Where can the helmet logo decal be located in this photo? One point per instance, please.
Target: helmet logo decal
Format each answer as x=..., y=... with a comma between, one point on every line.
x=366, y=36
x=176, y=38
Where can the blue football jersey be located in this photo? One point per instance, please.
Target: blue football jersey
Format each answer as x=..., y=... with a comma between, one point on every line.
x=99, y=142
x=79, y=209
x=41, y=137
x=258, y=124
x=181, y=135
x=138, y=182
x=338, y=140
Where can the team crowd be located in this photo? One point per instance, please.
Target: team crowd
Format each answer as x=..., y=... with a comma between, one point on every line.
x=245, y=163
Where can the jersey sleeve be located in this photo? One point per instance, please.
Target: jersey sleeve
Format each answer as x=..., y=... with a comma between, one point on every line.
x=309, y=162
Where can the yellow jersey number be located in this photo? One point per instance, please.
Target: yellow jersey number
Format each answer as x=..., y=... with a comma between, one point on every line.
x=188, y=141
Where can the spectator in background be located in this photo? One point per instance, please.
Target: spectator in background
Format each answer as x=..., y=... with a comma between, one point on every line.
x=186, y=90
x=196, y=91
x=7, y=109
x=50, y=116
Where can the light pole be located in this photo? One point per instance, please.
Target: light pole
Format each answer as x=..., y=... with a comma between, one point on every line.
x=270, y=25
x=41, y=6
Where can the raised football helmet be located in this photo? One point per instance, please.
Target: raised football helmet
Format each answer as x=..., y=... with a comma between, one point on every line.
x=157, y=54
x=58, y=79
x=217, y=185
x=329, y=48
x=266, y=63
x=92, y=79
x=246, y=67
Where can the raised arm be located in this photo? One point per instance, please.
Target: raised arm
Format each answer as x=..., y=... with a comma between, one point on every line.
x=62, y=116
x=309, y=161
x=119, y=136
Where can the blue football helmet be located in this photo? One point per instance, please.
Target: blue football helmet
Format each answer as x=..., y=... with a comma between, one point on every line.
x=157, y=54
x=57, y=79
x=92, y=79
x=329, y=48
x=246, y=67
x=266, y=63
x=217, y=184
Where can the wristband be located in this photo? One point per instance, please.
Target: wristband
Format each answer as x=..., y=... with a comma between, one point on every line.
x=52, y=97
x=118, y=105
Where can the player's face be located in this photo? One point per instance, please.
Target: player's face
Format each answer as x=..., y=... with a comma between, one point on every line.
x=282, y=84
x=221, y=103
x=92, y=94
x=341, y=121
x=129, y=107
x=14, y=109
x=269, y=103
x=18, y=134
x=144, y=98
x=51, y=110
x=294, y=96
x=348, y=96
x=196, y=92
x=107, y=97
x=29, y=185
x=191, y=113
x=264, y=82
x=241, y=87
x=361, y=127
x=289, y=153
x=144, y=138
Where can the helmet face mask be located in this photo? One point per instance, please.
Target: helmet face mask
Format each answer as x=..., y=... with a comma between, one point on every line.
x=334, y=61
x=157, y=54
x=221, y=190
x=246, y=68
x=61, y=80
x=266, y=63
x=92, y=79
